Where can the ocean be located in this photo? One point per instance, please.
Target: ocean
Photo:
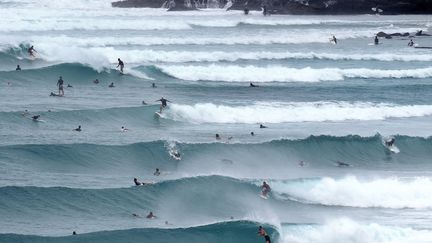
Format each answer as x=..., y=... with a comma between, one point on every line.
x=328, y=110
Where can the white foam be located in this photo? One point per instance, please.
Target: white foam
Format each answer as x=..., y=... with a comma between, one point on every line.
x=353, y=192
x=293, y=112
x=234, y=73
x=348, y=231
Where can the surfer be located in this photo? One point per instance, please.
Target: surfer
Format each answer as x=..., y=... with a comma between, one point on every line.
x=124, y=129
x=411, y=43
x=137, y=183
x=18, y=68
x=153, y=85
x=342, y=164
x=218, y=136
x=69, y=86
x=31, y=51
x=96, y=81
x=265, y=189
x=60, y=86
x=252, y=134
x=163, y=103
x=151, y=216
x=253, y=85
x=25, y=113
x=36, y=117
x=334, y=39
x=376, y=41
x=120, y=64
x=78, y=129
x=264, y=10
x=264, y=234
x=74, y=233
x=111, y=85
x=390, y=142
x=301, y=163
x=262, y=126
x=246, y=10
x=157, y=172
x=143, y=102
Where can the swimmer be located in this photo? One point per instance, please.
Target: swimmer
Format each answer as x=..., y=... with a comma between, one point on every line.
x=376, y=40
x=78, y=129
x=96, y=81
x=301, y=163
x=36, y=118
x=111, y=85
x=151, y=216
x=157, y=172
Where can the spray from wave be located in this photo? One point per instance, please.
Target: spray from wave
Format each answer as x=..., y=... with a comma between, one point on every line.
x=293, y=112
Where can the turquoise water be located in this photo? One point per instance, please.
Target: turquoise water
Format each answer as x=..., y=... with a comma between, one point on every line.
x=323, y=104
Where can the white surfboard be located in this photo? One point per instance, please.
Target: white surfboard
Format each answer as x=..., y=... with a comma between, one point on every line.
x=158, y=114
x=263, y=197
x=393, y=149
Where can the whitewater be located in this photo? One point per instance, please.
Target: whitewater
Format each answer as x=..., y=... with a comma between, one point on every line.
x=326, y=112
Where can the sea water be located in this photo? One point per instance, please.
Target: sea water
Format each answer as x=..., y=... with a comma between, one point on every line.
x=327, y=109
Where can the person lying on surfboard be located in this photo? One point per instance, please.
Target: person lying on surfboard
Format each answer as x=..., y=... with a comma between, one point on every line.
x=265, y=189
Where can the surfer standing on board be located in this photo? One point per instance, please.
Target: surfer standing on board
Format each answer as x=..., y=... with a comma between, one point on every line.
x=31, y=51
x=60, y=86
x=163, y=103
x=265, y=189
x=120, y=64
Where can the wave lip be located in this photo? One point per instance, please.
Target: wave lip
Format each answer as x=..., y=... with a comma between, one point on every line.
x=234, y=73
x=293, y=112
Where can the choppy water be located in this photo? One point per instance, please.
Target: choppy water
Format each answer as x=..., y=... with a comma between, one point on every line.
x=323, y=104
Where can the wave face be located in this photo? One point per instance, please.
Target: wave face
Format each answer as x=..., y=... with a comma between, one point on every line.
x=240, y=231
x=328, y=108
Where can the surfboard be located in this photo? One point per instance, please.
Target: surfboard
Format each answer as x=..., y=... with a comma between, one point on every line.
x=158, y=114
x=393, y=149
x=263, y=197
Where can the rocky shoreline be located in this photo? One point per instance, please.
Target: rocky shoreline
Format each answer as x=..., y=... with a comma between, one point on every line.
x=387, y=7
